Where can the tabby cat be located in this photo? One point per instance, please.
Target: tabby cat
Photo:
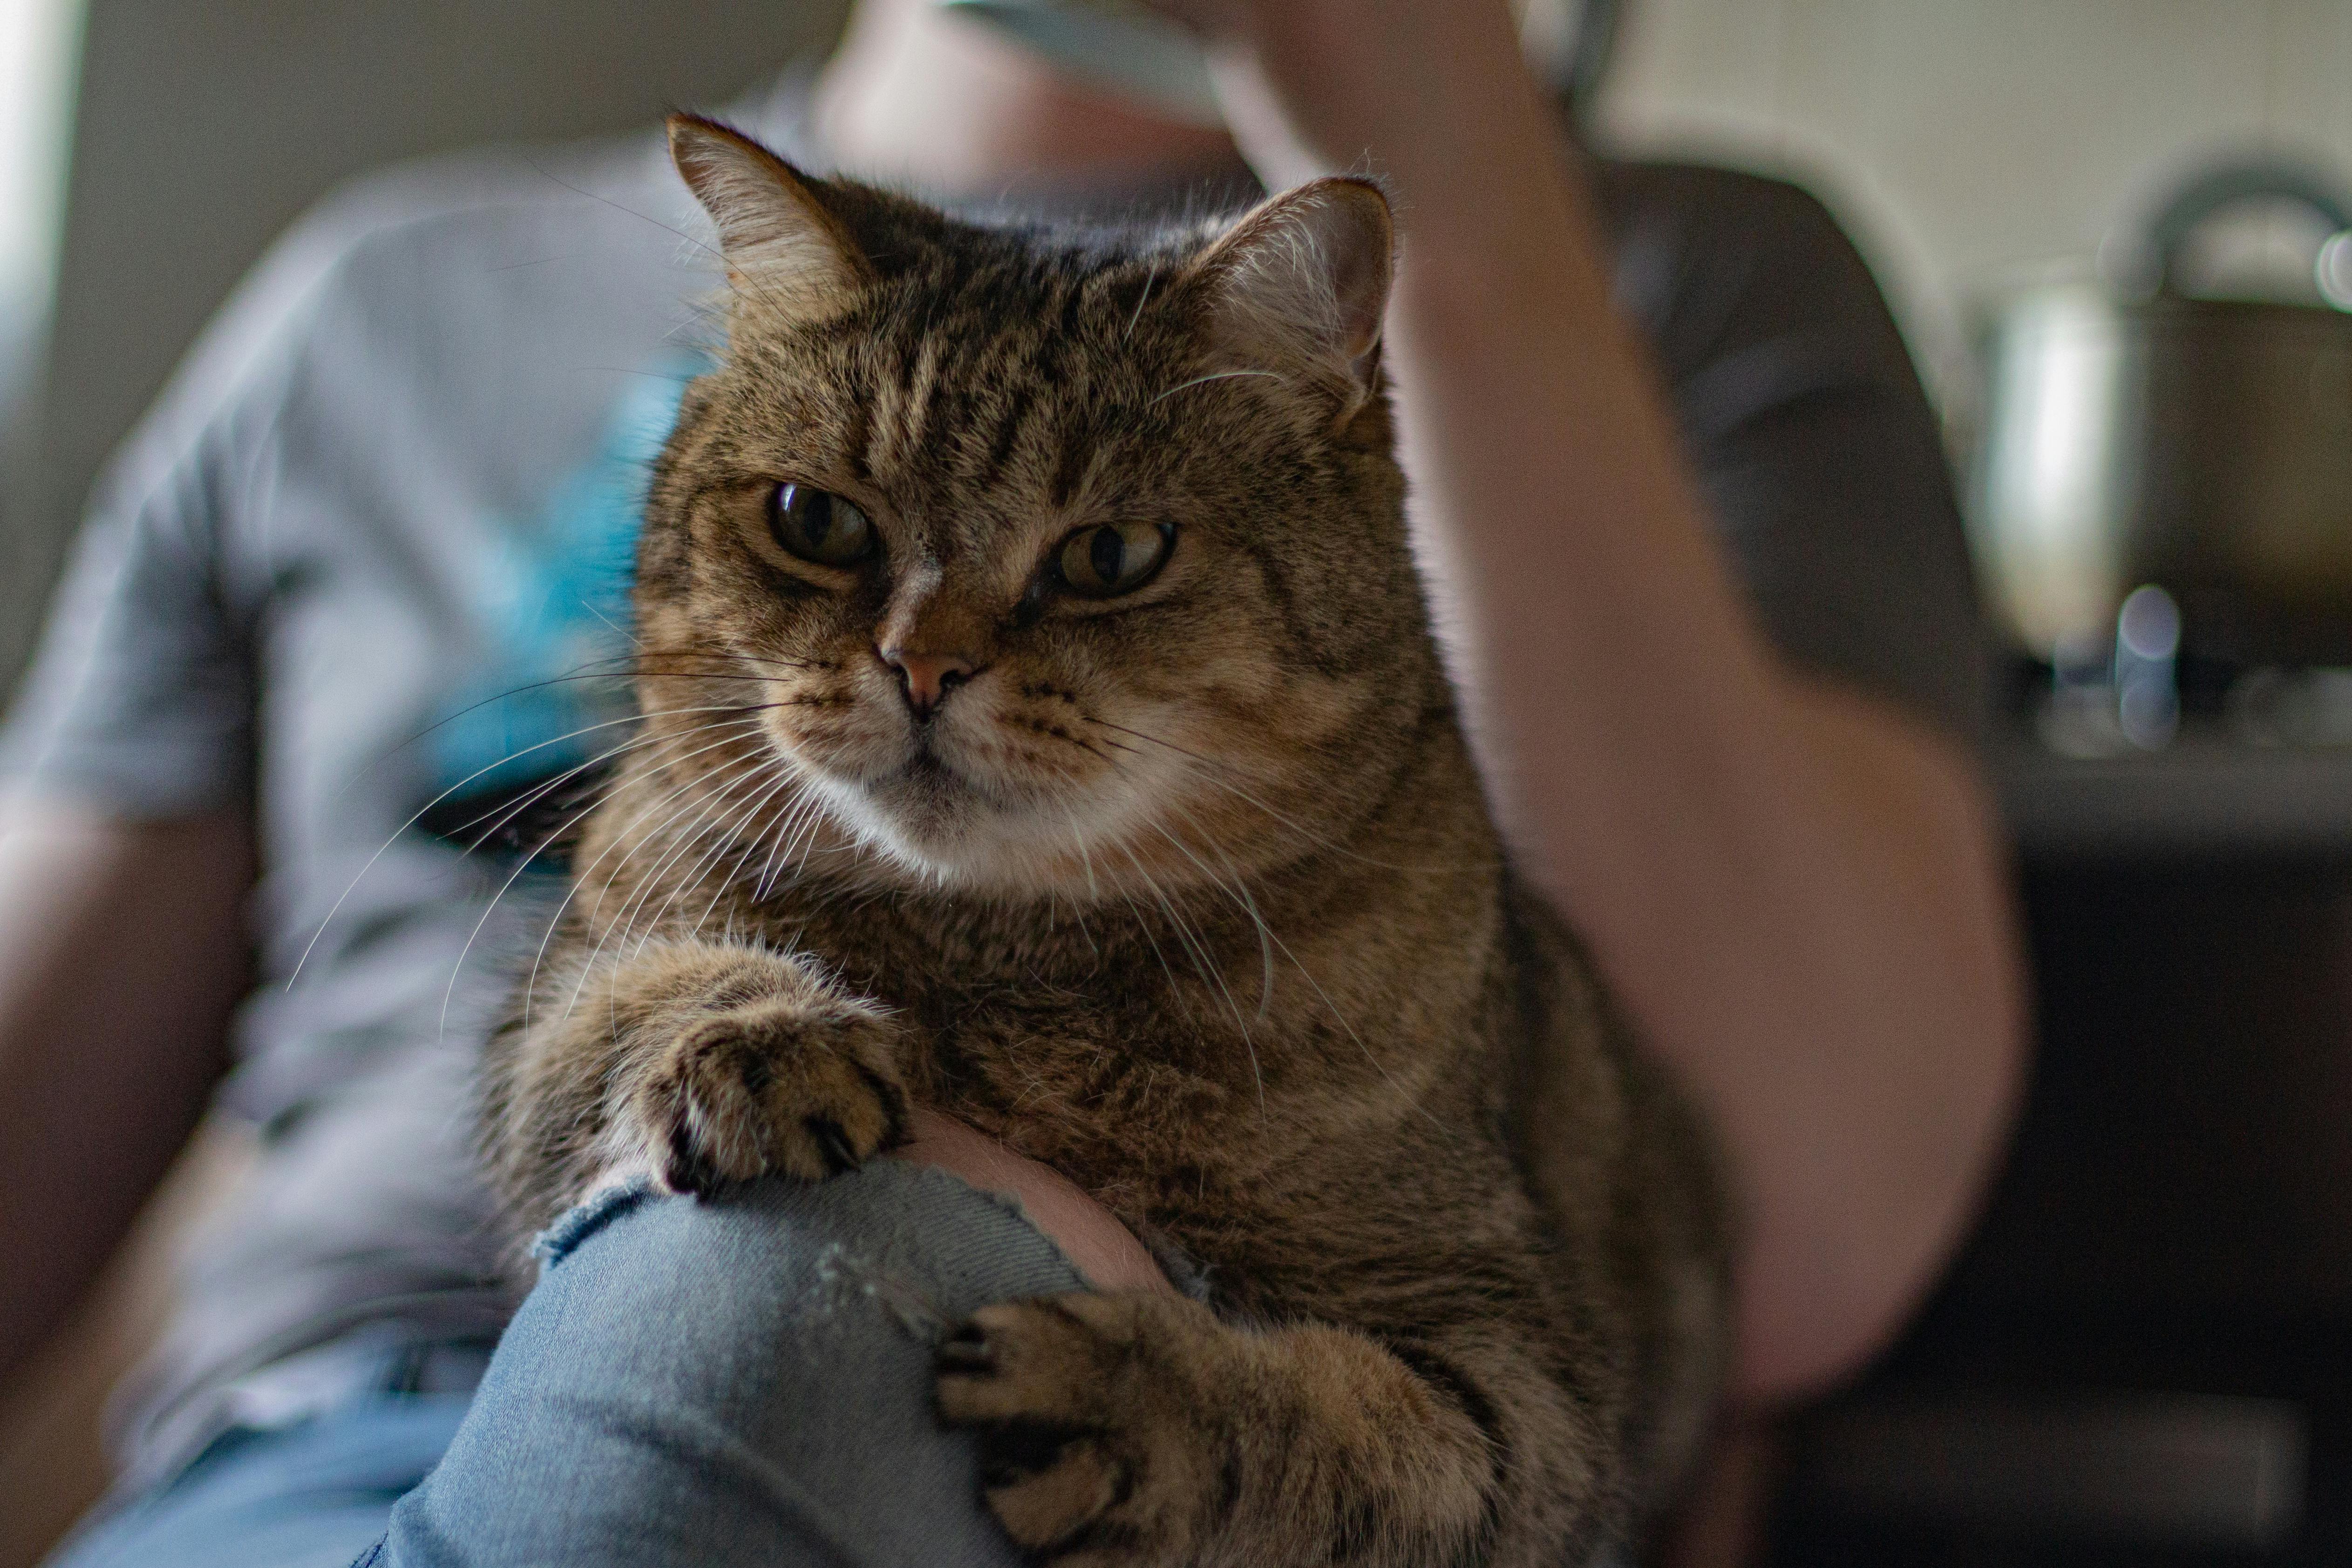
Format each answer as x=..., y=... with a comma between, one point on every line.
x=1044, y=725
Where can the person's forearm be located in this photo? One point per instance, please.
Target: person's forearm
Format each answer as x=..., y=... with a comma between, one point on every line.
x=121, y=954
x=1089, y=1235
x=1798, y=893
x=1799, y=899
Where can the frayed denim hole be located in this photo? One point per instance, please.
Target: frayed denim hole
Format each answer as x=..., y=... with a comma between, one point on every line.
x=555, y=1243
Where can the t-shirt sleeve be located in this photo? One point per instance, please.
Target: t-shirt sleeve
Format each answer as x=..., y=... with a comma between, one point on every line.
x=1811, y=437
x=141, y=697
x=140, y=700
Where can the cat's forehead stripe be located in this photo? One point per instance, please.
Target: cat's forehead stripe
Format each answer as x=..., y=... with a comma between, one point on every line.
x=1078, y=447
x=1009, y=426
x=860, y=441
x=952, y=399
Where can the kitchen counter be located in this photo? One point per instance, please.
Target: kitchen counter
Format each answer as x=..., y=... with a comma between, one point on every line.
x=2204, y=795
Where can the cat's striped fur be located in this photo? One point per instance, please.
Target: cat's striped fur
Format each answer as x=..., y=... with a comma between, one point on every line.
x=1190, y=894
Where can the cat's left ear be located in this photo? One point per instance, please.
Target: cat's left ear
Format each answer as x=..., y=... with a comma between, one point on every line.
x=1299, y=286
x=783, y=249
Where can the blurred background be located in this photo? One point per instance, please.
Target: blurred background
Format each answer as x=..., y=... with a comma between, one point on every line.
x=2110, y=229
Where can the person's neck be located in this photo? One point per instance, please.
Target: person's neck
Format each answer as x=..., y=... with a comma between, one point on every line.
x=918, y=94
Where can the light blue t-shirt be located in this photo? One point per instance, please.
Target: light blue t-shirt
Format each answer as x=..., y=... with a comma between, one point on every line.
x=366, y=568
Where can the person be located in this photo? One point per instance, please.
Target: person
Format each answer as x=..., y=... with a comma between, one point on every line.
x=1690, y=531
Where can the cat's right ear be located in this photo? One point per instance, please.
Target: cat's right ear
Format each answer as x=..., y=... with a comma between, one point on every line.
x=781, y=248
x=1299, y=286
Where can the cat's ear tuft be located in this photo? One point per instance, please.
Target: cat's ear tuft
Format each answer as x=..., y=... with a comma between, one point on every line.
x=782, y=247
x=1299, y=286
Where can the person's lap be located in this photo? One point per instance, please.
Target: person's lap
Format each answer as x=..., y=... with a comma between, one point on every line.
x=311, y=1496
x=742, y=1380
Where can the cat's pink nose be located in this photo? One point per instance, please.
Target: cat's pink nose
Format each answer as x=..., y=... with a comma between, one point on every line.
x=926, y=679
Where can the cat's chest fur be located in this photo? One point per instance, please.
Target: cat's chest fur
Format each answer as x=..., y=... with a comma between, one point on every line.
x=1157, y=1054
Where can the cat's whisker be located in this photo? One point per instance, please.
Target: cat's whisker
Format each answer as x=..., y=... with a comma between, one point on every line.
x=780, y=837
x=736, y=656
x=522, y=864
x=580, y=880
x=1151, y=276
x=606, y=676
x=1210, y=770
x=421, y=812
x=1093, y=894
x=726, y=837
x=722, y=835
x=801, y=830
x=714, y=801
x=1411, y=1099
x=1143, y=927
x=507, y=813
x=710, y=789
x=409, y=740
x=1118, y=745
x=1203, y=768
x=1196, y=947
x=1266, y=934
x=576, y=675
x=716, y=824
x=1203, y=380
x=627, y=634
x=501, y=817
x=804, y=843
x=784, y=779
x=1235, y=886
x=525, y=861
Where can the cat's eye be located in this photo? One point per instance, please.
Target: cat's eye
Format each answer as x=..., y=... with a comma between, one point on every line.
x=1111, y=559
x=819, y=525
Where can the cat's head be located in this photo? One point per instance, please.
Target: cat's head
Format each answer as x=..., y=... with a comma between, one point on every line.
x=1062, y=561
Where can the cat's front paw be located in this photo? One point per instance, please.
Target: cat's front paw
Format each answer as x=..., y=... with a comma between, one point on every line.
x=1095, y=1424
x=809, y=1091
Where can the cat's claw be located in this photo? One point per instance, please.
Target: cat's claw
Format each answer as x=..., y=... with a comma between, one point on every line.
x=685, y=1171
x=966, y=1350
x=767, y=1088
x=839, y=1152
x=1087, y=1424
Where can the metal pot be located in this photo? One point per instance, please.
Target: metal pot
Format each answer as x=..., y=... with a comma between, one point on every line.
x=2205, y=446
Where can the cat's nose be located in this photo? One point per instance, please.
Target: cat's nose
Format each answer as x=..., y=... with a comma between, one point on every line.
x=926, y=679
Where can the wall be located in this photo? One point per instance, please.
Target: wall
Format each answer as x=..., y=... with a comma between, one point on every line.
x=1968, y=140
x=205, y=126
x=1961, y=140
x=39, y=45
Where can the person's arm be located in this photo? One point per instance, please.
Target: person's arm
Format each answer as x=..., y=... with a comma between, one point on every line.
x=122, y=951
x=1797, y=892
x=1089, y=1235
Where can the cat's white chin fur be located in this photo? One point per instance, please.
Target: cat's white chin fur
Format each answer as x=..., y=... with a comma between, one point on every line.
x=1072, y=847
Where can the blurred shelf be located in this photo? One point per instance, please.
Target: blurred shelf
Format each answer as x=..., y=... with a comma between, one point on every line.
x=2202, y=796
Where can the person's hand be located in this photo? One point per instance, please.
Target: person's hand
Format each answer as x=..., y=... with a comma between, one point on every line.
x=1427, y=92
x=1104, y=1251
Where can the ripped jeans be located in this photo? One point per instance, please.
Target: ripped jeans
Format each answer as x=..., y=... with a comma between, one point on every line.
x=746, y=1381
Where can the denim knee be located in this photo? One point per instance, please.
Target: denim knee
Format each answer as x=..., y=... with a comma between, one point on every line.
x=745, y=1379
